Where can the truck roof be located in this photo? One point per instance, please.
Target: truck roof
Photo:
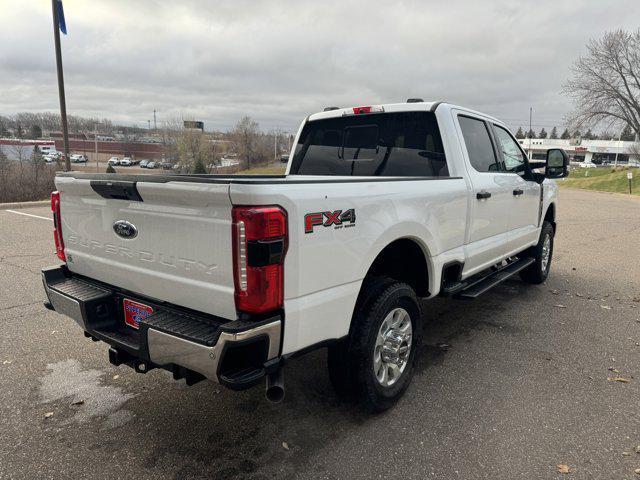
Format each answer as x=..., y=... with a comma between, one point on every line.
x=398, y=107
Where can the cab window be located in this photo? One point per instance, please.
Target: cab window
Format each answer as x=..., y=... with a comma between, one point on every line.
x=478, y=142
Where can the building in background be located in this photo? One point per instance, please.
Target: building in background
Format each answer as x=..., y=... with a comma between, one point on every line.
x=599, y=152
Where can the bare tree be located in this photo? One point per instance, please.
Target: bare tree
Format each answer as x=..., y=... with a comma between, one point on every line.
x=605, y=82
x=36, y=163
x=253, y=147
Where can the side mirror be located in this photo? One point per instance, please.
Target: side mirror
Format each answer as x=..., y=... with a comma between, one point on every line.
x=557, y=165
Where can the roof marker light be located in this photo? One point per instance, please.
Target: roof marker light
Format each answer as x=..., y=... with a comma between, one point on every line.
x=368, y=109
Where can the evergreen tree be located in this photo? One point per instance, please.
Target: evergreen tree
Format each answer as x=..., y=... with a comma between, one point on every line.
x=627, y=134
x=35, y=132
x=588, y=135
x=576, y=134
x=565, y=135
x=554, y=133
x=519, y=133
x=110, y=169
x=199, y=167
x=543, y=133
x=531, y=134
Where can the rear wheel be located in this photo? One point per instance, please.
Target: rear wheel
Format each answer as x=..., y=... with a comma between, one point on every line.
x=542, y=253
x=375, y=363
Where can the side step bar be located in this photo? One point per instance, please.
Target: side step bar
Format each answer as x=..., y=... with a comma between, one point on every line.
x=478, y=284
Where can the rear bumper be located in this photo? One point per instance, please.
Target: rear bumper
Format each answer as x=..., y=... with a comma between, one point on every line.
x=233, y=353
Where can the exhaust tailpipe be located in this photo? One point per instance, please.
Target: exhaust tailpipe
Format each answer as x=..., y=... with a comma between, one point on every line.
x=275, y=386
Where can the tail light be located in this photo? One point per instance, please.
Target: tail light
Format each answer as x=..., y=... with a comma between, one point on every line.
x=57, y=225
x=259, y=247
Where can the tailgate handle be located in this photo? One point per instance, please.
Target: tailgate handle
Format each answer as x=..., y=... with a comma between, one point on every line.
x=117, y=190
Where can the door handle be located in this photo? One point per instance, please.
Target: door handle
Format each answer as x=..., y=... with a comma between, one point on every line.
x=518, y=191
x=482, y=194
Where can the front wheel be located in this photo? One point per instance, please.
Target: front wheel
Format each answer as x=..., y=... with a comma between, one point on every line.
x=542, y=253
x=376, y=362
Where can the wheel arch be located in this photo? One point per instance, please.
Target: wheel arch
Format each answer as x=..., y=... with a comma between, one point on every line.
x=405, y=259
x=550, y=215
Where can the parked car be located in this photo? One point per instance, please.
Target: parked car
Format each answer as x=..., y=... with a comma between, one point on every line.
x=167, y=165
x=144, y=163
x=51, y=157
x=341, y=248
x=587, y=165
x=284, y=158
x=114, y=161
x=126, y=162
x=153, y=165
x=78, y=159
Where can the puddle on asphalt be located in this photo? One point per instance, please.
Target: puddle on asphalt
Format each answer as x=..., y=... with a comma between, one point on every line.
x=68, y=380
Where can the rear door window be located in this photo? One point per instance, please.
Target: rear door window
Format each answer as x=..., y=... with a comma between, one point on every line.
x=479, y=147
x=381, y=144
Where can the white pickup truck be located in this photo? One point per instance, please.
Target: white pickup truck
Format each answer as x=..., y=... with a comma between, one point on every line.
x=229, y=277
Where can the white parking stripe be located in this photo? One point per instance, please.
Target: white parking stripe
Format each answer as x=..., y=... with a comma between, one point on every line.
x=30, y=215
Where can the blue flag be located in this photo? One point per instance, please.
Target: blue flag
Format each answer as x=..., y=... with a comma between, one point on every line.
x=61, y=23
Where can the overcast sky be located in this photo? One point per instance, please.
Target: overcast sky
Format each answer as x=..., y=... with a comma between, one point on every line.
x=279, y=61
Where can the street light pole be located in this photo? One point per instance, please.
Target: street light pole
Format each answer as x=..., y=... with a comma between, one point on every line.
x=63, y=103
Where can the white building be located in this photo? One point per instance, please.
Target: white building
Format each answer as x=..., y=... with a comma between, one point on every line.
x=589, y=151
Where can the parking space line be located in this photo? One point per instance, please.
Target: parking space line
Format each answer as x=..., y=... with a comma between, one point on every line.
x=30, y=215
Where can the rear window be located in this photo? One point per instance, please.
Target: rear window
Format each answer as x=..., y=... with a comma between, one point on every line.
x=384, y=144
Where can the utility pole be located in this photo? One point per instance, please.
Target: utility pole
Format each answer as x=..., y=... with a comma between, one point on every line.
x=155, y=125
x=95, y=140
x=63, y=103
x=275, y=144
x=530, y=131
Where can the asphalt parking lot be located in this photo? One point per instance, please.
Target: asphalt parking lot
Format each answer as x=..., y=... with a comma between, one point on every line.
x=508, y=386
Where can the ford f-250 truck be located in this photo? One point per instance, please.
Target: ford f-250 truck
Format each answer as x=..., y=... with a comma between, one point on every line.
x=229, y=277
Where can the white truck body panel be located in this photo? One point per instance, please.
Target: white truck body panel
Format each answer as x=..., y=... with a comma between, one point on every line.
x=183, y=253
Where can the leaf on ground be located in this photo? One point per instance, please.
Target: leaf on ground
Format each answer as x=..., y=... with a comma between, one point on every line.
x=579, y=295
x=637, y=449
x=285, y=445
x=115, y=377
x=555, y=292
x=78, y=402
x=637, y=471
x=561, y=468
x=626, y=454
x=606, y=307
x=614, y=370
x=48, y=414
x=6, y=362
x=560, y=306
x=619, y=379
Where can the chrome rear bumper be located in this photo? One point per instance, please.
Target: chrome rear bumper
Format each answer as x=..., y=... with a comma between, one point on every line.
x=95, y=307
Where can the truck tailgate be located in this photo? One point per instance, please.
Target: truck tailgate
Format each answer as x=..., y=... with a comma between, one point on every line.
x=181, y=252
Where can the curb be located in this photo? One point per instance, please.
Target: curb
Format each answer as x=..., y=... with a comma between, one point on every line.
x=604, y=192
x=20, y=205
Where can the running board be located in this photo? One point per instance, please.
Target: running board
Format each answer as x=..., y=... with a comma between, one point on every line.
x=474, y=287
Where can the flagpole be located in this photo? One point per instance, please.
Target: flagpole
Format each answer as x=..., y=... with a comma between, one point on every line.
x=63, y=103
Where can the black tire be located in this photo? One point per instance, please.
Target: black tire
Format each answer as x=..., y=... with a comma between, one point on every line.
x=535, y=273
x=351, y=367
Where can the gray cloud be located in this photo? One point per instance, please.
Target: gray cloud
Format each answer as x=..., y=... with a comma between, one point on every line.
x=279, y=61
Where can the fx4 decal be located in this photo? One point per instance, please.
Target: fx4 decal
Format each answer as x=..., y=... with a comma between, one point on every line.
x=327, y=219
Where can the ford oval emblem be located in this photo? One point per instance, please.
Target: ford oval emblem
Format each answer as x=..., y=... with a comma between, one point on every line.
x=125, y=229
